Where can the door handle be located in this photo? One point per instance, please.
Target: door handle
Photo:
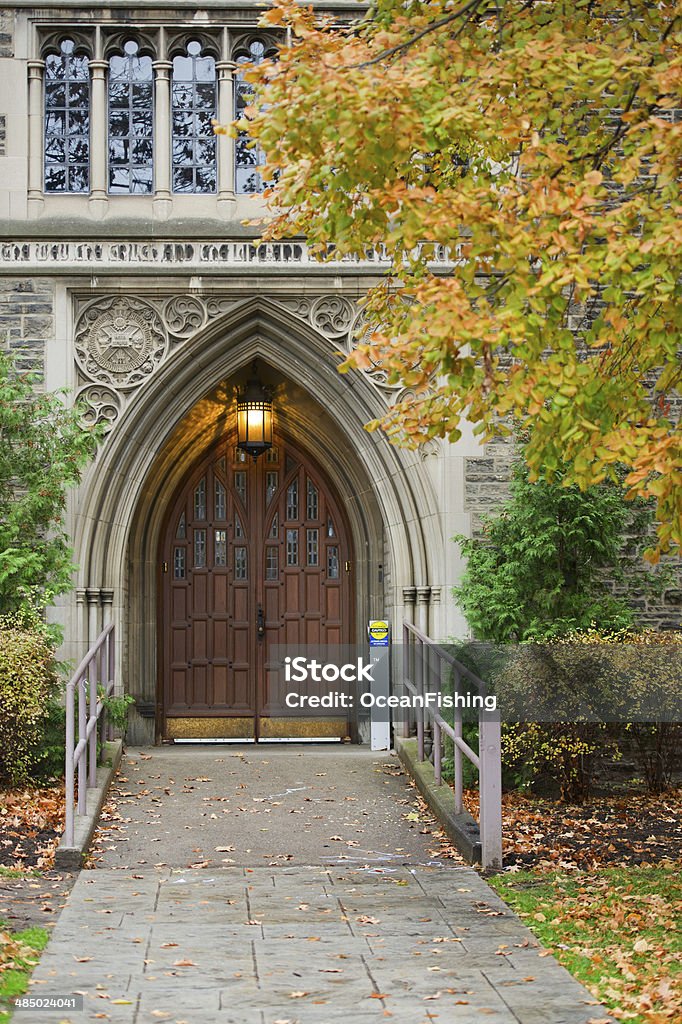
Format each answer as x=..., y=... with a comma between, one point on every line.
x=260, y=623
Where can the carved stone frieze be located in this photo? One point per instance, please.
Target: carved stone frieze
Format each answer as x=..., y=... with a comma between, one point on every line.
x=119, y=341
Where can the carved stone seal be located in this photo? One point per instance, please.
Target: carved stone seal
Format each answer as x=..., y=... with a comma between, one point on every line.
x=119, y=341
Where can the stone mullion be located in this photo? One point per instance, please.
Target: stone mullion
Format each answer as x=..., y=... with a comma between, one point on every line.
x=226, y=173
x=36, y=71
x=162, y=137
x=99, y=137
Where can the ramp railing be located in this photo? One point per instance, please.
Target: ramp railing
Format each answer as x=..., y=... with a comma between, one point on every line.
x=426, y=665
x=93, y=681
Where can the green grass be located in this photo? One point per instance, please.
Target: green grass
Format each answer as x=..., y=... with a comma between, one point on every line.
x=22, y=950
x=17, y=872
x=615, y=929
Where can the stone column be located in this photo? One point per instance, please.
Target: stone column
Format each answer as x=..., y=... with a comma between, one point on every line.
x=107, y=599
x=409, y=598
x=99, y=135
x=94, y=626
x=434, y=617
x=36, y=70
x=226, y=175
x=423, y=597
x=163, y=197
x=82, y=619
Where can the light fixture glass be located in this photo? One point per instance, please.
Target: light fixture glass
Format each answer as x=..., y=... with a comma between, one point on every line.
x=254, y=417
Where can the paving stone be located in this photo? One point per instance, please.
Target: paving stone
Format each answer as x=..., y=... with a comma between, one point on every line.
x=310, y=939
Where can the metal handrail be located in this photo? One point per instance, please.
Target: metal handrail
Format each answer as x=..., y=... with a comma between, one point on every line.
x=97, y=667
x=419, y=650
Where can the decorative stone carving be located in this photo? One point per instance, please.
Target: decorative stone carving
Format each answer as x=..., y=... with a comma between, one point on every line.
x=359, y=334
x=300, y=307
x=216, y=306
x=431, y=448
x=101, y=405
x=332, y=315
x=184, y=315
x=119, y=341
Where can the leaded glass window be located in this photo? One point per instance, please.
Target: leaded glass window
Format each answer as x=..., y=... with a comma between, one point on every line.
x=67, y=121
x=292, y=500
x=220, y=500
x=200, y=549
x=194, y=107
x=271, y=563
x=274, y=529
x=271, y=484
x=248, y=157
x=312, y=547
x=240, y=485
x=311, y=501
x=292, y=547
x=200, y=499
x=179, y=564
x=240, y=566
x=333, y=562
x=221, y=547
x=131, y=116
x=181, y=533
x=238, y=530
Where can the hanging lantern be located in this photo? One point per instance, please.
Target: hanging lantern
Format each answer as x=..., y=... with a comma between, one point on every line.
x=254, y=418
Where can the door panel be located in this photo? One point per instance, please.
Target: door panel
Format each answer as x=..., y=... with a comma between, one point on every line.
x=247, y=544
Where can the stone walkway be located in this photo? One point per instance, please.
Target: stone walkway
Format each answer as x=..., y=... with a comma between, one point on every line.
x=302, y=928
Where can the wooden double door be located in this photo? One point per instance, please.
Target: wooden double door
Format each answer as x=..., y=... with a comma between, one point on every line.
x=255, y=555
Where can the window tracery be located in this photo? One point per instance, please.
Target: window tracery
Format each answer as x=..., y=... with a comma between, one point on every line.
x=99, y=89
x=194, y=104
x=248, y=157
x=67, y=120
x=131, y=122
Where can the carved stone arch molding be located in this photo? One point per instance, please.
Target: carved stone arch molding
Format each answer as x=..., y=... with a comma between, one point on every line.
x=184, y=407
x=209, y=39
x=241, y=43
x=51, y=41
x=148, y=42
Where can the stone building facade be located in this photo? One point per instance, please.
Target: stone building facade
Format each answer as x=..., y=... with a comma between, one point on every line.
x=129, y=274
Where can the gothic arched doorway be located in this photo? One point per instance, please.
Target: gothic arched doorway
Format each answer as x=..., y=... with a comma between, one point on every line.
x=253, y=554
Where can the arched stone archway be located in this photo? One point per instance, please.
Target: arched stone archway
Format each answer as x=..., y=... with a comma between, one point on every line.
x=181, y=410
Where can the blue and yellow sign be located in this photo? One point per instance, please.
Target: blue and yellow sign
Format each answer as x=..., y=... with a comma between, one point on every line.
x=378, y=631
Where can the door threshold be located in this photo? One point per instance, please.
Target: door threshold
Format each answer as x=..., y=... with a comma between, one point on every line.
x=214, y=739
x=299, y=739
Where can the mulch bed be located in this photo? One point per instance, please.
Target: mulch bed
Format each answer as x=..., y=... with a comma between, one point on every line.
x=624, y=829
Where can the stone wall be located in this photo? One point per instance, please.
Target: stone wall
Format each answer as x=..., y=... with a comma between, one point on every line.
x=27, y=320
x=6, y=34
x=486, y=480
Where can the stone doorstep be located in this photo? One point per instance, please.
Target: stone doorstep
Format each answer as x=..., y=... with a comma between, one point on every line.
x=70, y=858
